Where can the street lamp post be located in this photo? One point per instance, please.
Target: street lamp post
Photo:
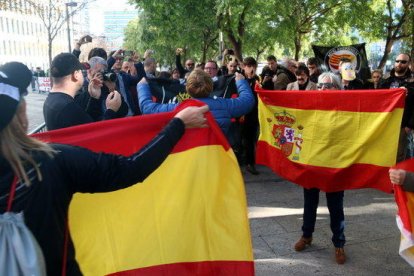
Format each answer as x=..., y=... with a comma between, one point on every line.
x=69, y=4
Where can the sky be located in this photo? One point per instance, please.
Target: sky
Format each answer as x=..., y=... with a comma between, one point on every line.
x=97, y=9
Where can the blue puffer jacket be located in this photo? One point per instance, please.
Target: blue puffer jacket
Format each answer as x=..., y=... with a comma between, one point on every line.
x=223, y=110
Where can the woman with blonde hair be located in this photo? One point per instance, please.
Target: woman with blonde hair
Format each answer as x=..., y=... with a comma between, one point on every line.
x=40, y=179
x=199, y=86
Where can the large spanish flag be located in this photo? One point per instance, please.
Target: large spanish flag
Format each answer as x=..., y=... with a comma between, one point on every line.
x=189, y=217
x=405, y=215
x=332, y=140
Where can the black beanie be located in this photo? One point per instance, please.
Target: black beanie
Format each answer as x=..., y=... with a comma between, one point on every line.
x=15, y=77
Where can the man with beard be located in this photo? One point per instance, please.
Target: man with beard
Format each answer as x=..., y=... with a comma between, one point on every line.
x=314, y=70
x=282, y=76
x=303, y=82
x=400, y=76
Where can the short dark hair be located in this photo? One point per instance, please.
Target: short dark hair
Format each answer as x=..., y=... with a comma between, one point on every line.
x=250, y=61
x=271, y=57
x=64, y=64
x=312, y=61
x=164, y=75
x=98, y=52
x=213, y=61
x=302, y=68
x=60, y=80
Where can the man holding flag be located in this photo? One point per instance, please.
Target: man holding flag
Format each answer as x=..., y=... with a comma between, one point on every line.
x=335, y=200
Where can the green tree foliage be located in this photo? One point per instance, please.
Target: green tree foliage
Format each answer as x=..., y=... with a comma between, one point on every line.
x=165, y=26
x=389, y=21
x=255, y=27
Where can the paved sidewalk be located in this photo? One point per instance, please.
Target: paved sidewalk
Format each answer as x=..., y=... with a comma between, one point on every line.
x=35, y=109
x=275, y=212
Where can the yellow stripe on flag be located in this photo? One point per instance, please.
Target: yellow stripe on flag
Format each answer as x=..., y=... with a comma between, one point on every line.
x=336, y=139
x=191, y=209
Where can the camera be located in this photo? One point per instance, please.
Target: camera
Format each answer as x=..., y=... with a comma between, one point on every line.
x=109, y=76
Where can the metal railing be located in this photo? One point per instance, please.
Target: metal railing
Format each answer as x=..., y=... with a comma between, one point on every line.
x=40, y=128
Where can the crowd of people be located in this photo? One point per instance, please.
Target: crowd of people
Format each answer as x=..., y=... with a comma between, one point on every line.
x=114, y=86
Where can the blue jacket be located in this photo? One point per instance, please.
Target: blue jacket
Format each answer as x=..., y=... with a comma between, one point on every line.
x=223, y=110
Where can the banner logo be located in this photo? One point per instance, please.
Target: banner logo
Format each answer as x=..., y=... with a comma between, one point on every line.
x=334, y=56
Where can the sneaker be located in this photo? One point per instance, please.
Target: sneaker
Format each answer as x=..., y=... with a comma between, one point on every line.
x=302, y=243
x=340, y=255
x=251, y=169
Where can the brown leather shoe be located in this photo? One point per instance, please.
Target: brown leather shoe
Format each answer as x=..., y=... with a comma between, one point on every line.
x=340, y=255
x=302, y=243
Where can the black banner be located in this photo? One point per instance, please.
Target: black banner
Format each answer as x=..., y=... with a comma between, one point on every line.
x=329, y=58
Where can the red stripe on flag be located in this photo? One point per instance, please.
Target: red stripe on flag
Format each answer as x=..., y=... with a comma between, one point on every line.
x=349, y=100
x=237, y=268
x=403, y=212
x=401, y=196
x=357, y=176
x=134, y=132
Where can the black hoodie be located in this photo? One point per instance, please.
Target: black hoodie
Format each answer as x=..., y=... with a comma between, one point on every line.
x=404, y=81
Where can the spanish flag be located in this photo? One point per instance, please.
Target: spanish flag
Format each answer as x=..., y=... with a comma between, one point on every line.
x=189, y=217
x=331, y=140
x=405, y=215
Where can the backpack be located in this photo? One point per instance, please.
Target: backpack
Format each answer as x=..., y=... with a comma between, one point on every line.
x=20, y=254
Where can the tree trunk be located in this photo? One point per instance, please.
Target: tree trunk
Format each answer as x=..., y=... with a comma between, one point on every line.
x=237, y=47
x=259, y=53
x=387, y=51
x=412, y=40
x=203, y=59
x=298, y=45
x=49, y=45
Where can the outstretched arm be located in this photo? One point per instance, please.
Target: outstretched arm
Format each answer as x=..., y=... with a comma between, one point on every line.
x=146, y=104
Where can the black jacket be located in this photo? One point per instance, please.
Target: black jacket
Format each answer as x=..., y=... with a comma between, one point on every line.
x=73, y=169
x=180, y=67
x=355, y=84
x=60, y=110
x=407, y=82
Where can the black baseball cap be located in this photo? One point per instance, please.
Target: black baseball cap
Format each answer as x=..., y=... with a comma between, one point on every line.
x=15, y=77
x=64, y=64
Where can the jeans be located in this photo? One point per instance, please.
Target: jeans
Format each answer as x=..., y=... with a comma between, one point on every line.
x=335, y=204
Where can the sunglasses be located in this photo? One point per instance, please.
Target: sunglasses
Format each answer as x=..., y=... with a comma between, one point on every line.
x=401, y=61
x=190, y=64
x=325, y=84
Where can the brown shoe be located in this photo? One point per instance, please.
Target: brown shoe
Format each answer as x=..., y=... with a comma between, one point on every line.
x=302, y=242
x=340, y=255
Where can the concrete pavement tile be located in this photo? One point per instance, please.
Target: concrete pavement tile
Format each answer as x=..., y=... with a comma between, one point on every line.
x=365, y=261
x=261, y=249
x=265, y=226
x=370, y=231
